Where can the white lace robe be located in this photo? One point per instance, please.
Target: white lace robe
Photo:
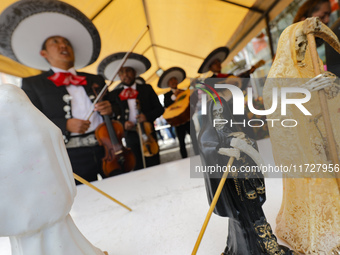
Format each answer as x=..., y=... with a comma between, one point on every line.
x=309, y=218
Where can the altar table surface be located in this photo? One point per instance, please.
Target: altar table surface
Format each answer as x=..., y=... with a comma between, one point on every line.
x=169, y=209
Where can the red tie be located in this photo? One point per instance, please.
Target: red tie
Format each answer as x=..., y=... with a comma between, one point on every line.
x=64, y=79
x=128, y=93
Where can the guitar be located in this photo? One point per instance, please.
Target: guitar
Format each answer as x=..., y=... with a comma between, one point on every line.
x=178, y=112
x=241, y=80
x=245, y=74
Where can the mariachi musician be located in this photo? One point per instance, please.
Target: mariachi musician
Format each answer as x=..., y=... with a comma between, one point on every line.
x=61, y=93
x=136, y=106
x=170, y=79
x=213, y=63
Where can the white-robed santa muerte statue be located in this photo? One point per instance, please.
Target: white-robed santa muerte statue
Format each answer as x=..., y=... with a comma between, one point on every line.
x=309, y=218
x=36, y=182
x=243, y=194
x=57, y=38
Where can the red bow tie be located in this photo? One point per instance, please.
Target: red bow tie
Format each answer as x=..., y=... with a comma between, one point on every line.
x=128, y=93
x=222, y=75
x=64, y=79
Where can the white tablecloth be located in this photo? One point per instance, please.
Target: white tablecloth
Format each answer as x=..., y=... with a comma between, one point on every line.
x=169, y=209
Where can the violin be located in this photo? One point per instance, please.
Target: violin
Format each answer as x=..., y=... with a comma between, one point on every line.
x=149, y=145
x=109, y=134
x=118, y=159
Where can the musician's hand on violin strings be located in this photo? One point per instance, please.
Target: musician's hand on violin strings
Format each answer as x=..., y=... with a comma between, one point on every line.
x=141, y=118
x=77, y=125
x=128, y=125
x=104, y=108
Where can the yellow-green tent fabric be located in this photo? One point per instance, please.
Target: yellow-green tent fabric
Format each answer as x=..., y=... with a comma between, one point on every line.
x=181, y=32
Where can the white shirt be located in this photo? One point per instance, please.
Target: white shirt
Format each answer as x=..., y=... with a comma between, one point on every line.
x=132, y=106
x=80, y=102
x=173, y=96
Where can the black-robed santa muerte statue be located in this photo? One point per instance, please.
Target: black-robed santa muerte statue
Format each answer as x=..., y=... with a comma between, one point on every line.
x=243, y=194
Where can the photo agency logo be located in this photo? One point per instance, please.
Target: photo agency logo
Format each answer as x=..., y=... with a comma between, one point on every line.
x=204, y=96
x=239, y=103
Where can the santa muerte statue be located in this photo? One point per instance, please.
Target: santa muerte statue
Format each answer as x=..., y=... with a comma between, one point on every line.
x=309, y=216
x=36, y=181
x=243, y=194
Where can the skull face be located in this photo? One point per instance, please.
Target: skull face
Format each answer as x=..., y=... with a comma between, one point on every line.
x=217, y=113
x=300, y=46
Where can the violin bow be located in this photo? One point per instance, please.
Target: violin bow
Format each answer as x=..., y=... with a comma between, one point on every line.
x=141, y=143
x=105, y=88
x=139, y=130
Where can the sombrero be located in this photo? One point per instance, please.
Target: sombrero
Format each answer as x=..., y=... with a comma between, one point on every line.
x=220, y=53
x=176, y=72
x=109, y=65
x=26, y=24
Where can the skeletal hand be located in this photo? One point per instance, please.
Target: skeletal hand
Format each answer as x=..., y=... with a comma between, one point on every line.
x=240, y=135
x=238, y=145
x=332, y=91
x=231, y=152
x=320, y=81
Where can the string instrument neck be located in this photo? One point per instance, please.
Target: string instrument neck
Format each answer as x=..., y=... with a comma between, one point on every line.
x=148, y=142
x=111, y=132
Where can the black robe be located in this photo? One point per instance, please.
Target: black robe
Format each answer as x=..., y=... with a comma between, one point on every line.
x=243, y=194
